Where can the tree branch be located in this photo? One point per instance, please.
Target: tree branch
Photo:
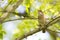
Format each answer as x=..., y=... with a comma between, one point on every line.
x=53, y=21
x=33, y=32
x=28, y=34
x=4, y=16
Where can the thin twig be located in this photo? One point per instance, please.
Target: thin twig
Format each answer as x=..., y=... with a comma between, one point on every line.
x=20, y=19
x=8, y=5
x=53, y=31
x=4, y=15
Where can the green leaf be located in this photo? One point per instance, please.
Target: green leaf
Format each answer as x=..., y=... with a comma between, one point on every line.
x=1, y=33
x=1, y=12
x=12, y=1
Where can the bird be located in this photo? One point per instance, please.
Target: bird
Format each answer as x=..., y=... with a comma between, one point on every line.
x=41, y=20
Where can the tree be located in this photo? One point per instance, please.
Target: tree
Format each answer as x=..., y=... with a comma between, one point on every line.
x=45, y=17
